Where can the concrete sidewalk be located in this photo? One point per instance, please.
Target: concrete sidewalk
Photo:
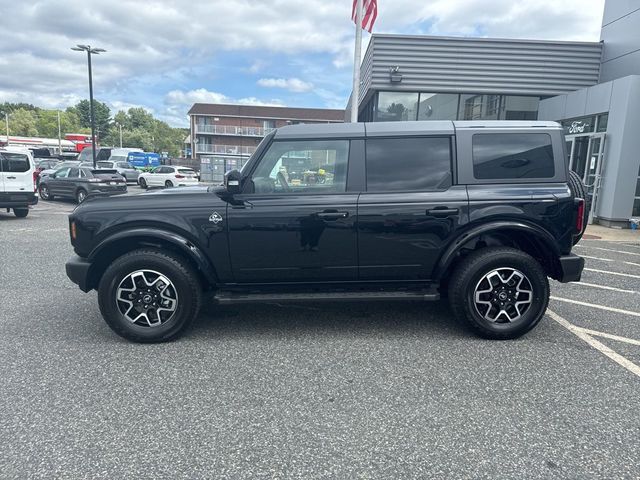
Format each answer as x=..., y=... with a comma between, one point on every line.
x=598, y=232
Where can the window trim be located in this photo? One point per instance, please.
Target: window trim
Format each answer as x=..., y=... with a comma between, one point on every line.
x=452, y=163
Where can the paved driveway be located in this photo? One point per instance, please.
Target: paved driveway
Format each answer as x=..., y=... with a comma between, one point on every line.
x=314, y=391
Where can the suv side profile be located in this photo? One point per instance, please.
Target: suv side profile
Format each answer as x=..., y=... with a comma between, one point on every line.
x=479, y=212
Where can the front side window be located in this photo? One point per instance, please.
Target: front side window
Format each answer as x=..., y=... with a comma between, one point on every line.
x=408, y=164
x=14, y=162
x=302, y=167
x=512, y=155
x=62, y=173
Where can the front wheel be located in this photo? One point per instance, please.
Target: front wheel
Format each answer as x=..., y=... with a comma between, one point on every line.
x=500, y=293
x=149, y=296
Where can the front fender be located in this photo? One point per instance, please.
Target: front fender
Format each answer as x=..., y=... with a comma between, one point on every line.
x=450, y=252
x=146, y=234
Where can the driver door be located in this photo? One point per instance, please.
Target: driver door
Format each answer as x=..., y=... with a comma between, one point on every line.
x=295, y=220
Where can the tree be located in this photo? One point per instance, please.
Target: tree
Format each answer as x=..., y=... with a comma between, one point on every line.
x=22, y=122
x=47, y=123
x=102, y=115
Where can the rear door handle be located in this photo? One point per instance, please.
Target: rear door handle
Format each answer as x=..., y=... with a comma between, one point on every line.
x=11, y=178
x=443, y=212
x=333, y=215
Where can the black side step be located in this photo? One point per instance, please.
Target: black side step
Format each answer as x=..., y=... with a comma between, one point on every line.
x=233, y=297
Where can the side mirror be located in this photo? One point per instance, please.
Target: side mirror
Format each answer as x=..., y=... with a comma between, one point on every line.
x=233, y=182
x=53, y=175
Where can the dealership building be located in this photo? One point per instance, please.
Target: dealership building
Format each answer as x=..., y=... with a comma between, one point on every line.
x=591, y=88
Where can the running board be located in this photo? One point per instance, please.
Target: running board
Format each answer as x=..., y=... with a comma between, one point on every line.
x=232, y=297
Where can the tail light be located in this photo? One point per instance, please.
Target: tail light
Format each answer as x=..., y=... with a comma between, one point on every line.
x=179, y=176
x=35, y=180
x=580, y=215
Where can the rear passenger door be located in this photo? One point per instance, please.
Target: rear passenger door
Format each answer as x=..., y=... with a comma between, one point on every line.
x=411, y=208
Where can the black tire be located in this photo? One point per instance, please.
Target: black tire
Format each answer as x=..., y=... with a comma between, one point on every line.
x=469, y=276
x=81, y=195
x=579, y=190
x=143, y=183
x=183, y=278
x=44, y=192
x=21, y=212
x=168, y=184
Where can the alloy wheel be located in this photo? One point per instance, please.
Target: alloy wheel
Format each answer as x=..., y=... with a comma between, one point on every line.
x=503, y=295
x=147, y=298
x=44, y=192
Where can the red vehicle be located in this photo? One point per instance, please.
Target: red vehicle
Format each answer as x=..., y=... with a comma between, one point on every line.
x=81, y=140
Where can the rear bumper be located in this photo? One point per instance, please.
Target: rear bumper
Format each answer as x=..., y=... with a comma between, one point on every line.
x=17, y=199
x=570, y=268
x=107, y=191
x=78, y=272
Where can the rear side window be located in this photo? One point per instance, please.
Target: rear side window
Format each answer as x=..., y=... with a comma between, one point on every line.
x=408, y=164
x=499, y=156
x=13, y=162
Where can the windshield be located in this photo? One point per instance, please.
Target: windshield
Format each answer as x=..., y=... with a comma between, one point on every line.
x=124, y=165
x=105, y=164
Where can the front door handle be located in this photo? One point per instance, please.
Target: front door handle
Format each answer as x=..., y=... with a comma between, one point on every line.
x=443, y=212
x=11, y=178
x=333, y=215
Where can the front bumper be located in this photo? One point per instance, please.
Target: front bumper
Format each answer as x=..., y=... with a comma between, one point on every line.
x=570, y=268
x=78, y=272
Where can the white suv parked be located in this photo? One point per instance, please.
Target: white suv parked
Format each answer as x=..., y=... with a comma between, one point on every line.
x=17, y=180
x=168, y=176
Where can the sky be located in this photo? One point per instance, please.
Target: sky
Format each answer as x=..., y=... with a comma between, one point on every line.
x=165, y=55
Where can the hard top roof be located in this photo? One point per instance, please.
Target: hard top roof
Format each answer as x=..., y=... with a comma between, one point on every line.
x=409, y=128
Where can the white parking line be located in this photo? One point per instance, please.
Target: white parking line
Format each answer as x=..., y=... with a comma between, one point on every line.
x=593, y=305
x=612, y=273
x=617, y=338
x=604, y=287
x=610, y=260
x=602, y=348
x=609, y=250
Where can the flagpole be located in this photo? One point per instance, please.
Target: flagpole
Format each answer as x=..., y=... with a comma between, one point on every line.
x=355, y=96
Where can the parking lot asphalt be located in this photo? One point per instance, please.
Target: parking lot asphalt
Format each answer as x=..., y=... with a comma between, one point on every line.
x=314, y=390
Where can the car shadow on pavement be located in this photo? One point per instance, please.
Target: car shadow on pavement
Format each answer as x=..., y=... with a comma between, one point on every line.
x=339, y=319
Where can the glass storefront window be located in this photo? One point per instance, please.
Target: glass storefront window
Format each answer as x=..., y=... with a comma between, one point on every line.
x=519, y=108
x=479, y=107
x=603, y=121
x=438, y=106
x=396, y=106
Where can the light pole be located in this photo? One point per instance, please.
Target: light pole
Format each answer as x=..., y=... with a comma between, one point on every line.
x=89, y=50
x=120, y=128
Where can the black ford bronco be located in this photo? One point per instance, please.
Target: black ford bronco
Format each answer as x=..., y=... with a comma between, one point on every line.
x=479, y=212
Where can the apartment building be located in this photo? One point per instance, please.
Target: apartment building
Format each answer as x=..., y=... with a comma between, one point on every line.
x=225, y=136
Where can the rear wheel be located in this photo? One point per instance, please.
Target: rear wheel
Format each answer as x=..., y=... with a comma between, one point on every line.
x=500, y=293
x=579, y=190
x=143, y=183
x=44, y=192
x=168, y=184
x=149, y=296
x=21, y=212
x=81, y=195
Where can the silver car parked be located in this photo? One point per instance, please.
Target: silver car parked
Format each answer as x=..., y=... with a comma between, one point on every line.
x=123, y=168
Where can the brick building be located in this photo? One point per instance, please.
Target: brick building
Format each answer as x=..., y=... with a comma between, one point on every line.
x=226, y=135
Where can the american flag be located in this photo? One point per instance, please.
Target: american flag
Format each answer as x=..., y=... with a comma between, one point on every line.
x=369, y=13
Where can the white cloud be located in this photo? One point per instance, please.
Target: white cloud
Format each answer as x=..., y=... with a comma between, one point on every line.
x=291, y=84
x=202, y=95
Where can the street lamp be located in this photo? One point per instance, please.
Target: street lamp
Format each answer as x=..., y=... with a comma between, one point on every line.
x=96, y=51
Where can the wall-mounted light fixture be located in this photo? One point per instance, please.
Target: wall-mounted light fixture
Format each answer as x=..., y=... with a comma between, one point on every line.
x=394, y=74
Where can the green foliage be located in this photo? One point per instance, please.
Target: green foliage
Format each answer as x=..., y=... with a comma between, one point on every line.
x=139, y=128
x=101, y=112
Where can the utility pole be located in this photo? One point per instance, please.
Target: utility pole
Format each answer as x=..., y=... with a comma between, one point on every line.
x=120, y=127
x=90, y=51
x=6, y=120
x=59, y=136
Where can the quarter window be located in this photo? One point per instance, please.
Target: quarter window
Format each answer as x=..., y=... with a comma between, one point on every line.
x=408, y=164
x=499, y=156
x=302, y=167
